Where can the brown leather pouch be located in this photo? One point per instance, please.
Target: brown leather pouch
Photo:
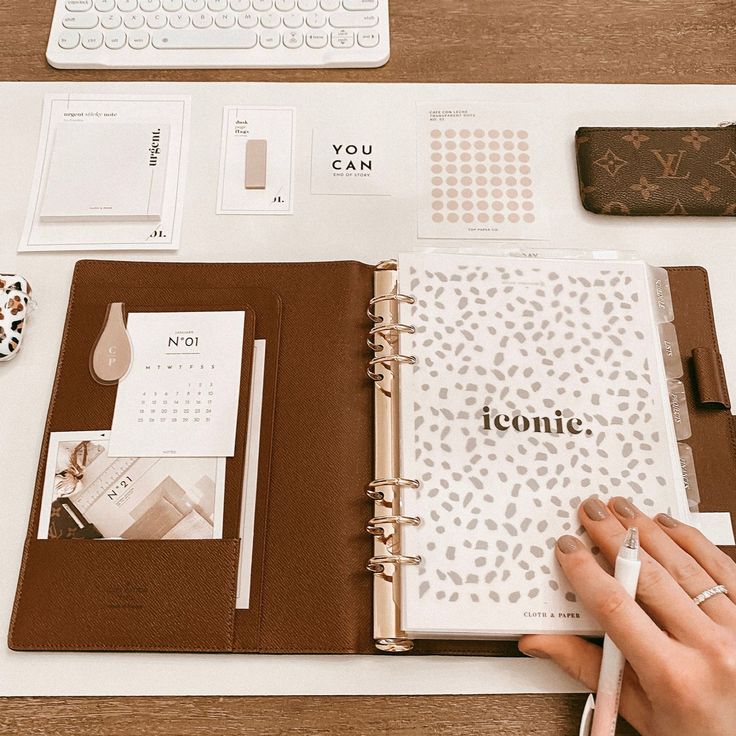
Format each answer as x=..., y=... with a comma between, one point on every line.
x=310, y=592
x=658, y=171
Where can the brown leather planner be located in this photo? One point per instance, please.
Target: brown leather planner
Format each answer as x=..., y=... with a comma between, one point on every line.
x=310, y=591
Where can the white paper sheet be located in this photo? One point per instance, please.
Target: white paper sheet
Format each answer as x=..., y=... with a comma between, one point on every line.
x=378, y=228
x=250, y=482
x=170, y=112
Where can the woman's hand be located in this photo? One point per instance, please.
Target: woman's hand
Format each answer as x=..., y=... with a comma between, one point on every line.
x=680, y=679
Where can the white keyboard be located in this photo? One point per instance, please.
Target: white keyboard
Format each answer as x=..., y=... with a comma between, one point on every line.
x=195, y=34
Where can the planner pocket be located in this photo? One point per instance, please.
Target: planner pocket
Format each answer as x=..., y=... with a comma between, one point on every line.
x=126, y=595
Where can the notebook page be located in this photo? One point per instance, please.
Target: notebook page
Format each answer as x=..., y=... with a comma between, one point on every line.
x=538, y=382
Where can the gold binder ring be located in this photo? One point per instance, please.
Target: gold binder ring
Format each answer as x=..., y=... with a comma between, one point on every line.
x=374, y=346
x=404, y=298
x=377, y=564
x=394, y=645
x=375, y=375
x=389, y=482
x=393, y=327
x=399, y=359
x=375, y=525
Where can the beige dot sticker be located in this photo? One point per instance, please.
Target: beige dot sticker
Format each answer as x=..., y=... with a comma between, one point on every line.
x=481, y=176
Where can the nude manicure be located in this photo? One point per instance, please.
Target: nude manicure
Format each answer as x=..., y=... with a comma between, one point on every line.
x=568, y=544
x=536, y=653
x=624, y=508
x=667, y=520
x=595, y=509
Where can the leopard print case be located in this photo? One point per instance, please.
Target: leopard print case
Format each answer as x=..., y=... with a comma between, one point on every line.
x=16, y=304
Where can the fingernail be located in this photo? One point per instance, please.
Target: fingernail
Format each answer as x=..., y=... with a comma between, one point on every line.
x=595, y=509
x=667, y=520
x=623, y=508
x=536, y=653
x=568, y=544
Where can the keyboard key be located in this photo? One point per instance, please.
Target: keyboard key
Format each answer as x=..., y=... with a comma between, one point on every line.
x=92, y=40
x=238, y=6
x=368, y=39
x=127, y=6
x=202, y=20
x=149, y=6
x=248, y=20
x=179, y=20
x=343, y=39
x=79, y=21
x=353, y=20
x=157, y=20
x=293, y=39
x=317, y=39
x=270, y=39
x=105, y=6
x=139, y=40
x=135, y=21
x=330, y=5
x=294, y=20
x=173, y=6
x=211, y=39
x=69, y=39
x=78, y=6
x=115, y=40
x=360, y=4
x=217, y=6
x=307, y=5
x=194, y=6
x=262, y=6
x=317, y=20
x=111, y=21
x=225, y=20
x=285, y=6
x=270, y=20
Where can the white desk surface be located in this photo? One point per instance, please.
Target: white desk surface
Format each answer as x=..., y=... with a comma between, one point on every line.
x=379, y=227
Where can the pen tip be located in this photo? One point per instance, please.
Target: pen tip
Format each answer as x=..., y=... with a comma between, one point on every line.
x=632, y=538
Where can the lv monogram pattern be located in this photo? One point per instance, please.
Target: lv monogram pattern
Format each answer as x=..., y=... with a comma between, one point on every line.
x=657, y=171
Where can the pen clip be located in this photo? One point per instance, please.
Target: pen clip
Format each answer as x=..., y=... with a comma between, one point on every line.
x=586, y=721
x=111, y=355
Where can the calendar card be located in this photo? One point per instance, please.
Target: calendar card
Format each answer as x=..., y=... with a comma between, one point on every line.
x=180, y=397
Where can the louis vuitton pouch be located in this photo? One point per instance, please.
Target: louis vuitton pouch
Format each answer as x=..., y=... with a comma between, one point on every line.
x=658, y=171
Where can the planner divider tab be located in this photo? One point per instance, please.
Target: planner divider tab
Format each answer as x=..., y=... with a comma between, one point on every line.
x=674, y=370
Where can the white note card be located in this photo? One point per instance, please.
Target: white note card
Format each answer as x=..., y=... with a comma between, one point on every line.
x=110, y=173
x=180, y=396
x=257, y=161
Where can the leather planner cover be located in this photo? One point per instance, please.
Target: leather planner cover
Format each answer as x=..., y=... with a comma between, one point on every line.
x=658, y=171
x=310, y=591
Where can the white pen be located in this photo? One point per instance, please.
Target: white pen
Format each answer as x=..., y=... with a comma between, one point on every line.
x=605, y=707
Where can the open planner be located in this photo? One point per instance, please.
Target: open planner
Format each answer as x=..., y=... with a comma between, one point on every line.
x=414, y=508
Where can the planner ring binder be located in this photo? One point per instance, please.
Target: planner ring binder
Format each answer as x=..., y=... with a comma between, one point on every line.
x=384, y=370
x=376, y=524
